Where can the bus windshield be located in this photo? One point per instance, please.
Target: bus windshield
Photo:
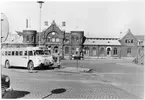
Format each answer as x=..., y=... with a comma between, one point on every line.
x=39, y=52
x=46, y=52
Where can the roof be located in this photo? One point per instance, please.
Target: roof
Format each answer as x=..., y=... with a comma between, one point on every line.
x=14, y=38
x=139, y=37
x=101, y=42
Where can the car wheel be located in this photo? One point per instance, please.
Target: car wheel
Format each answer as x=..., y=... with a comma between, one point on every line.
x=7, y=64
x=30, y=65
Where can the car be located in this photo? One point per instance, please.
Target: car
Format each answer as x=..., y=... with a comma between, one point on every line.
x=5, y=84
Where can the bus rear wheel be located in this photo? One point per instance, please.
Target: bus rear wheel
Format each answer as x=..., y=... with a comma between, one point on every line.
x=7, y=64
x=30, y=65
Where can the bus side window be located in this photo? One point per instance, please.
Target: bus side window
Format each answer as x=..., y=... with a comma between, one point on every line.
x=25, y=53
x=30, y=53
x=21, y=53
x=9, y=53
x=3, y=53
x=13, y=53
x=16, y=53
x=6, y=53
x=34, y=52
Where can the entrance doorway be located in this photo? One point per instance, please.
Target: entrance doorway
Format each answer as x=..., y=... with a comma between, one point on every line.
x=55, y=49
x=108, y=51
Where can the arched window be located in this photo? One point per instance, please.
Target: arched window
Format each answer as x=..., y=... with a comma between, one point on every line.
x=48, y=39
x=67, y=39
x=77, y=38
x=94, y=51
x=66, y=50
x=102, y=50
x=55, y=49
x=115, y=51
x=86, y=50
x=72, y=37
x=128, y=50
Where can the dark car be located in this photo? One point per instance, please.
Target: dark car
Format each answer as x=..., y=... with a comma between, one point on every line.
x=5, y=84
x=76, y=57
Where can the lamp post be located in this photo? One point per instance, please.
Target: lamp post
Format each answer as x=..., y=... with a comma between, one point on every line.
x=63, y=24
x=40, y=5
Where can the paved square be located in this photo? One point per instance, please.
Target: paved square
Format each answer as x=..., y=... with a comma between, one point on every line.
x=109, y=80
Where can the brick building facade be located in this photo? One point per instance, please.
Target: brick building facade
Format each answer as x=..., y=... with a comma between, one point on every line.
x=75, y=42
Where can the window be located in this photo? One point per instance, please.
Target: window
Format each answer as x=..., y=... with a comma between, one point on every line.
x=20, y=53
x=30, y=53
x=77, y=38
x=9, y=53
x=66, y=50
x=128, y=50
x=16, y=53
x=32, y=39
x=6, y=53
x=53, y=39
x=67, y=39
x=25, y=53
x=72, y=37
x=57, y=39
x=13, y=52
x=48, y=39
x=125, y=41
x=131, y=40
x=115, y=51
x=3, y=54
x=27, y=38
x=94, y=51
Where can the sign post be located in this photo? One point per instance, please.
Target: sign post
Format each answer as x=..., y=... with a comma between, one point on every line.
x=77, y=57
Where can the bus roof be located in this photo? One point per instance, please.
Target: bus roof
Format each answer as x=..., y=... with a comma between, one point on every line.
x=26, y=48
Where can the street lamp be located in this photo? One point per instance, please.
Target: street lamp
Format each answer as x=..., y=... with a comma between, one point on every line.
x=63, y=24
x=40, y=5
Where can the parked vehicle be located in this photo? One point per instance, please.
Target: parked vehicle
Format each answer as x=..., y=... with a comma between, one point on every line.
x=29, y=57
x=5, y=84
x=76, y=57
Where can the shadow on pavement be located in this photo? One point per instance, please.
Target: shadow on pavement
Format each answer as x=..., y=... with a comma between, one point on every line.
x=15, y=94
x=17, y=67
x=37, y=68
x=55, y=91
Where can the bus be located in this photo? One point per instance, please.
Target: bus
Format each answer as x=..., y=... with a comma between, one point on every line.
x=29, y=57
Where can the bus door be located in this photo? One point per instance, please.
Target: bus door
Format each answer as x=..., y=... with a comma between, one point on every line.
x=24, y=59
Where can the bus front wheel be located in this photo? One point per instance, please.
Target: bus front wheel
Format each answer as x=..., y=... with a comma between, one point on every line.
x=7, y=64
x=30, y=65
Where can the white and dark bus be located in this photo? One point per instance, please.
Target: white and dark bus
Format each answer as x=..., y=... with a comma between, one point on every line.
x=29, y=57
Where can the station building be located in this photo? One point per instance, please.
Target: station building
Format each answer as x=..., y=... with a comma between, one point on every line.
x=75, y=43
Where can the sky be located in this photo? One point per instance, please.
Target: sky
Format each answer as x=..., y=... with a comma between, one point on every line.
x=95, y=18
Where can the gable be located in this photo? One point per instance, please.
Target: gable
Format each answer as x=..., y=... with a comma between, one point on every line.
x=129, y=36
x=54, y=28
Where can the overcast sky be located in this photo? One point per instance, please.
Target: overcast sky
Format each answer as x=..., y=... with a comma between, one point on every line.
x=99, y=19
